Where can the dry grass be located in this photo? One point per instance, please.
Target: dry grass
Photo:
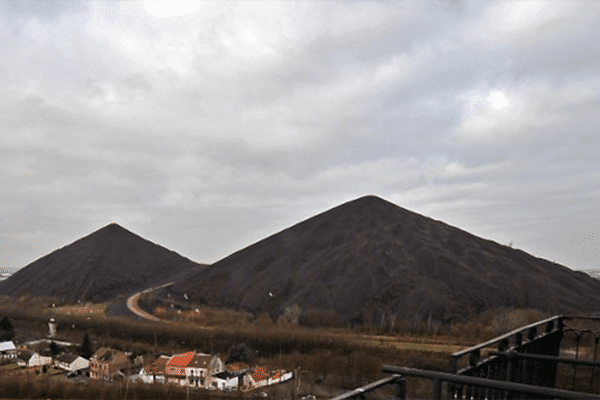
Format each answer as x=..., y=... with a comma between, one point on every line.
x=330, y=360
x=87, y=309
x=32, y=386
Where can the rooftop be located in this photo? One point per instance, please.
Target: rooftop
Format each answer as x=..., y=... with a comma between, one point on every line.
x=181, y=360
x=7, y=346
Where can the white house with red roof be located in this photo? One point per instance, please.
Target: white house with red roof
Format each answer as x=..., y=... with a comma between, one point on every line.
x=260, y=377
x=175, y=369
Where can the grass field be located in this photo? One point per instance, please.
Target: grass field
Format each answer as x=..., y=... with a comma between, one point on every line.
x=87, y=309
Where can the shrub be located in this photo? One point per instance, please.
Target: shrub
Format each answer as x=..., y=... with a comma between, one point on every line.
x=315, y=318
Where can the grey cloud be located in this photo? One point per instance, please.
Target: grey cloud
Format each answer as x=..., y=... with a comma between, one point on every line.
x=203, y=146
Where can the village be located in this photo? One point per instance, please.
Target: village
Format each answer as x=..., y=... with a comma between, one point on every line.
x=192, y=369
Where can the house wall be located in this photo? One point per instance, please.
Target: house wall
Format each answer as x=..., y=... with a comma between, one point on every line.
x=249, y=383
x=216, y=366
x=38, y=360
x=79, y=363
x=225, y=384
x=9, y=351
x=198, y=376
x=8, y=354
x=146, y=378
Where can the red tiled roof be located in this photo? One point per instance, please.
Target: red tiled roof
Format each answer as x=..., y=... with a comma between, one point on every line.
x=181, y=360
x=259, y=374
x=236, y=367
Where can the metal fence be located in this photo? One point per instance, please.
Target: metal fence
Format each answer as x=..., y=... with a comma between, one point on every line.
x=559, y=352
x=553, y=358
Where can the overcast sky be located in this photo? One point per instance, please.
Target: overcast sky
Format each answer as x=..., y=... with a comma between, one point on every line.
x=205, y=127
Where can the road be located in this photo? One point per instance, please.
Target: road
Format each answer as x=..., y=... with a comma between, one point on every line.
x=132, y=304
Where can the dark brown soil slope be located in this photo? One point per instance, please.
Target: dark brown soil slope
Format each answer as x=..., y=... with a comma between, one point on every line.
x=368, y=257
x=103, y=265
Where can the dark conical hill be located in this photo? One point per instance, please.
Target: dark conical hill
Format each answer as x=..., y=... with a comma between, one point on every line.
x=109, y=262
x=368, y=256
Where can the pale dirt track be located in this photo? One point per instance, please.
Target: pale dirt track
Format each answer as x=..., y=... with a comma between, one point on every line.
x=132, y=304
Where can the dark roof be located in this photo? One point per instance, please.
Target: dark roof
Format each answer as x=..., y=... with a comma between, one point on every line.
x=67, y=358
x=227, y=375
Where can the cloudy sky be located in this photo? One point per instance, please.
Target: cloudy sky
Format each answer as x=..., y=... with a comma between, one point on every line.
x=207, y=126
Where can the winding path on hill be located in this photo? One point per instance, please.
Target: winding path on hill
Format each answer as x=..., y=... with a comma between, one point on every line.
x=132, y=303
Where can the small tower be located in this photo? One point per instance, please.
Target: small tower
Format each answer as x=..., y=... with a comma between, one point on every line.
x=52, y=328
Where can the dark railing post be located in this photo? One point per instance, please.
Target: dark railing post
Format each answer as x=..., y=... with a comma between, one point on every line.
x=437, y=389
x=452, y=368
x=596, y=340
x=577, y=340
x=511, y=369
x=401, y=388
x=518, y=339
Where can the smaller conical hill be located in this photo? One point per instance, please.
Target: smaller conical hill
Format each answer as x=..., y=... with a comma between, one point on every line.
x=109, y=262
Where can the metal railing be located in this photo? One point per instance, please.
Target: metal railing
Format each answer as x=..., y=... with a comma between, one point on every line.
x=487, y=388
x=362, y=391
x=532, y=355
x=528, y=361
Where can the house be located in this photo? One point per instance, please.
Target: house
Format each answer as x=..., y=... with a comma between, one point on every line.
x=255, y=378
x=71, y=362
x=105, y=363
x=260, y=377
x=175, y=370
x=201, y=368
x=279, y=376
x=154, y=372
x=29, y=359
x=225, y=381
x=23, y=358
x=8, y=351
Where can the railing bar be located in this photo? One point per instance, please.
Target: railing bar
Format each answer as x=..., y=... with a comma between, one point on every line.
x=515, y=387
x=596, y=317
x=506, y=336
x=564, y=360
x=368, y=388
